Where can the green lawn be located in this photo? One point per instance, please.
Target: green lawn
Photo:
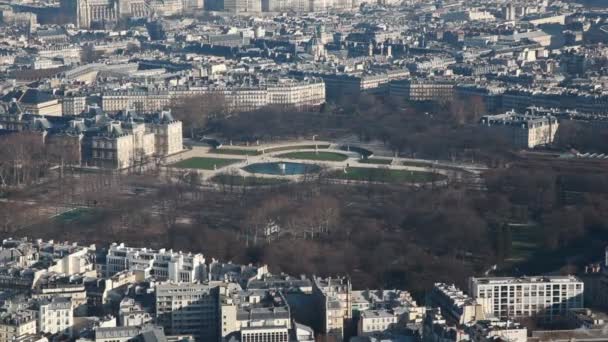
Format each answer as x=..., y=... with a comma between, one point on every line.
x=237, y=180
x=523, y=242
x=386, y=175
x=236, y=151
x=296, y=147
x=204, y=163
x=81, y=215
x=375, y=161
x=324, y=156
x=417, y=163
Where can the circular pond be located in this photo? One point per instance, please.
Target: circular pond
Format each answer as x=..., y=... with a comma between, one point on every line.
x=282, y=168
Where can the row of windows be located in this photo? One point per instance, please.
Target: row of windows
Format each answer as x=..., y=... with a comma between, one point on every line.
x=103, y=155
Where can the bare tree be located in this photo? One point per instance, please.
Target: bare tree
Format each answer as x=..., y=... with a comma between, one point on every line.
x=196, y=110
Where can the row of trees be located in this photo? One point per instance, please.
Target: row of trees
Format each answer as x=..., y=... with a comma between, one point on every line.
x=25, y=159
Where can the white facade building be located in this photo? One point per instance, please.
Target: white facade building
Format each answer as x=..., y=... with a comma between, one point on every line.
x=17, y=325
x=523, y=131
x=374, y=321
x=56, y=316
x=523, y=297
x=159, y=264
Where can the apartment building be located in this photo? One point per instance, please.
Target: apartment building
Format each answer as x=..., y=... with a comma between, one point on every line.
x=235, y=273
x=158, y=264
x=132, y=314
x=139, y=100
x=584, y=102
x=511, y=298
x=255, y=316
x=339, y=85
x=56, y=316
x=333, y=296
x=495, y=329
x=455, y=305
x=73, y=105
x=189, y=309
x=307, y=93
x=374, y=321
x=34, y=101
x=523, y=131
x=286, y=92
x=422, y=90
x=14, y=326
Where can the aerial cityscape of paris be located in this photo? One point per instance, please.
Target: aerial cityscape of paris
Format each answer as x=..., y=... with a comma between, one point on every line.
x=303, y=170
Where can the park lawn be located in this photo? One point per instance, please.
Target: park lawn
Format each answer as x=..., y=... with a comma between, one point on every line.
x=387, y=175
x=236, y=151
x=237, y=180
x=79, y=215
x=204, y=163
x=375, y=161
x=323, y=156
x=416, y=163
x=523, y=242
x=296, y=147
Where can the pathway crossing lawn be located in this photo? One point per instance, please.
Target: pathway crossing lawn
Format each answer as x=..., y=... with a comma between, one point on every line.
x=204, y=163
x=312, y=155
x=387, y=175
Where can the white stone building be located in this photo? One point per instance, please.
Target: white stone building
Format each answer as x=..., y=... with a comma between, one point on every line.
x=333, y=296
x=523, y=131
x=495, y=329
x=56, y=316
x=256, y=315
x=14, y=326
x=456, y=306
x=512, y=298
x=159, y=264
x=301, y=94
x=375, y=321
x=131, y=314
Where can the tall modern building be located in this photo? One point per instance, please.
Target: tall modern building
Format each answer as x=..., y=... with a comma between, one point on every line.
x=512, y=298
x=188, y=309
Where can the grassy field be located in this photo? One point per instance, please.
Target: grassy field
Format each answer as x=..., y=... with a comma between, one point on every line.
x=324, y=156
x=204, y=163
x=386, y=175
x=236, y=151
x=523, y=243
x=79, y=215
x=416, y=163
x=375, y=161
x=296, y=147
x=236, y=180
